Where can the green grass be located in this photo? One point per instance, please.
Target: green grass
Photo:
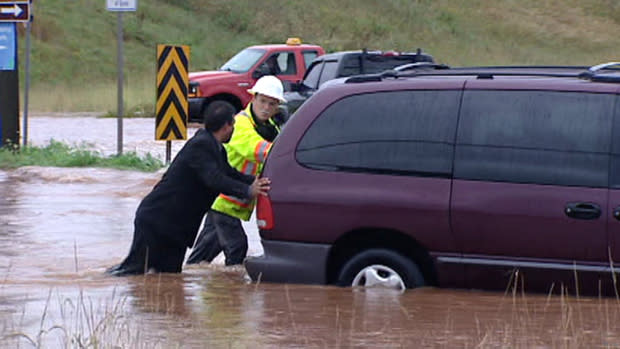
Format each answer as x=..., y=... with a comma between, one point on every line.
x=61, y=155
x=73, y=50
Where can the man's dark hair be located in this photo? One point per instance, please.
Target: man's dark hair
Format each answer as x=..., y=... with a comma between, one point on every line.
x=218, y=114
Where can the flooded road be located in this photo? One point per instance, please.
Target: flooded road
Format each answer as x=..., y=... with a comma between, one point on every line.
x=61, y=228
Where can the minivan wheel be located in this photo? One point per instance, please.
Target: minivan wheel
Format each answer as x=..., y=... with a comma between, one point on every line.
x=381, y=268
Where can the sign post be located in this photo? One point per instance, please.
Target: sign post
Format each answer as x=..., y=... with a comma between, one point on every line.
x=27, y=87
x=10, y=12
x=120, y=6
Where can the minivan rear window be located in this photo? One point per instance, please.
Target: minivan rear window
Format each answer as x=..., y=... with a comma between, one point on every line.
x=397, y=132
x=543, y=137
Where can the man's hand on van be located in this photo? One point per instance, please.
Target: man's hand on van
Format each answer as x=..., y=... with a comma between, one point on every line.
x=260, y=186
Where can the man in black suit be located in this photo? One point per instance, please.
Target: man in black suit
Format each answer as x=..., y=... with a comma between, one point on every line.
x=168, y=218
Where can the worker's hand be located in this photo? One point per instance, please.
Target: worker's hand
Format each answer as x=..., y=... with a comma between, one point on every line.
x=260, y=186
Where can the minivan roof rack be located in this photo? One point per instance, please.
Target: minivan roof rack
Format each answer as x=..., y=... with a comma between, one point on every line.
x=410, y=66
x=593, y=73
x=602, y=66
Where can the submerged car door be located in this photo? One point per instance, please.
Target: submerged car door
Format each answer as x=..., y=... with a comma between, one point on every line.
x=529, y=196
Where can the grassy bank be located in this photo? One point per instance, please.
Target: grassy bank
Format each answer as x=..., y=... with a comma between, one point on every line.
x=73, y=65
x=61, y=155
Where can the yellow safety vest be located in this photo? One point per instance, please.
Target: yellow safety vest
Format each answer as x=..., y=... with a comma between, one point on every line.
x=247, y=152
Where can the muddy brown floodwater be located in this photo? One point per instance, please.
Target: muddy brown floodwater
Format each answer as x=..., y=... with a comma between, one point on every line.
x=61, y=228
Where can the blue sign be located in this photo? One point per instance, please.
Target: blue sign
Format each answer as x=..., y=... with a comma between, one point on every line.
x=8, y=46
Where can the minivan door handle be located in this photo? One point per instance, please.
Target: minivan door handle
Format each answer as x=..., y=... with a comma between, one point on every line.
x=582, y=210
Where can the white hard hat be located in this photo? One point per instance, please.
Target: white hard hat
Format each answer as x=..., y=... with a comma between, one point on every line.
x=269, y=86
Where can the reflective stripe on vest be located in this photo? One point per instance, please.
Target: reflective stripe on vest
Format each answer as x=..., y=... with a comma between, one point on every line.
x=261, y=151
x=249, y=167
x=245, y=203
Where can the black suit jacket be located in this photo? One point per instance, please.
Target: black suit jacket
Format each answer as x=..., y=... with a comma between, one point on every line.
x=173, y=210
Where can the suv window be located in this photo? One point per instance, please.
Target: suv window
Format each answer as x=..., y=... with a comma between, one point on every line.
x=329, y=71
x=312, y=75
x=401, y=132
x=369, y=63
x=343, y=64
x=350, y=65
x=543, y=137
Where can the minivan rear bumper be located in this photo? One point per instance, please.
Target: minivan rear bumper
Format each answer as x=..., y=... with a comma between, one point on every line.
x=289, y=262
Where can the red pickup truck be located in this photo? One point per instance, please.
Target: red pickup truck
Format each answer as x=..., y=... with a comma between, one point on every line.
x=230, y=83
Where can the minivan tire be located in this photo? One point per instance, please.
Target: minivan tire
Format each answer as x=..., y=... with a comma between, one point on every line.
x=383, y=263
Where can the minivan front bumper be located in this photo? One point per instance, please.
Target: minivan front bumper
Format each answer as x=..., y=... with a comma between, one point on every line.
x=290, y=262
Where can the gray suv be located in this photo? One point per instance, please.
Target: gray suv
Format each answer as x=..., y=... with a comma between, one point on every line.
x=483, y=177
x=347, y=63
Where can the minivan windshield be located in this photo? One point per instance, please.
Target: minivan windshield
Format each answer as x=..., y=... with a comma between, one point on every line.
x=244, y=60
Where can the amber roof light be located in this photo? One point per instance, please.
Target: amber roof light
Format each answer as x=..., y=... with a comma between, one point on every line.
x=293, y=41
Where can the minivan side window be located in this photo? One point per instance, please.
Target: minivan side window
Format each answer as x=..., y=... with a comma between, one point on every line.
x=397, y=132
x=542, y=137
x=614, y=176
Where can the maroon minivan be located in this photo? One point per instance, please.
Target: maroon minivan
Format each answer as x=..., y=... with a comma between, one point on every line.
x=486, y=178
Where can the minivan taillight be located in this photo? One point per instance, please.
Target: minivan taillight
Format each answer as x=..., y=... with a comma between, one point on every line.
x=264, y=212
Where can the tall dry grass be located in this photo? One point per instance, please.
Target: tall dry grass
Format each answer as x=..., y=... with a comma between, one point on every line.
x=138, y=97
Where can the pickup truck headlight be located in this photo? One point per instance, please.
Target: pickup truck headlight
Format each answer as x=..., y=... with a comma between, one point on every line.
x=194, y=89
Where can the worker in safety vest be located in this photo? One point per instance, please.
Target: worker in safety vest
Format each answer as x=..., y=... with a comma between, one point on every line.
x=255, y=130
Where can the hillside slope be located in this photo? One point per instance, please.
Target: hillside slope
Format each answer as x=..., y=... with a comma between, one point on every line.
x=74, y=41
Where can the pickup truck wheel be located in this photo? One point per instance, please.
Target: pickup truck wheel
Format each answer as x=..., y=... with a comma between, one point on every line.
x=213, y=105
x=381, y=268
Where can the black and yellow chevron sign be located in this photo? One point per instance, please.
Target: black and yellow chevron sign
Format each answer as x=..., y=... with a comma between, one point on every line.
x=172, y=84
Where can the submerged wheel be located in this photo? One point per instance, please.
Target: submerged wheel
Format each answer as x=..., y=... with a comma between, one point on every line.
x=381, y=268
